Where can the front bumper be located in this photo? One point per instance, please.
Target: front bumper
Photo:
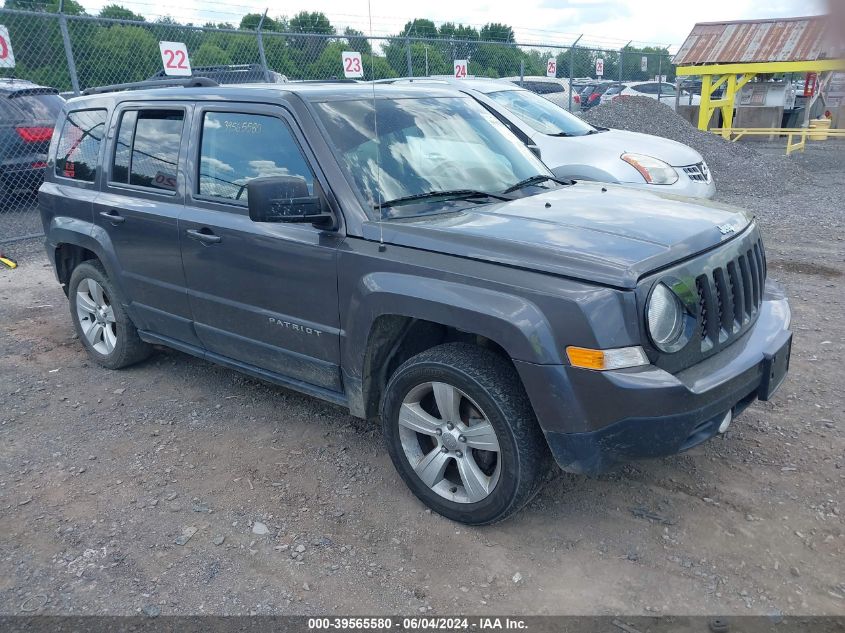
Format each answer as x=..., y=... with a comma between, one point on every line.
x=595, y=420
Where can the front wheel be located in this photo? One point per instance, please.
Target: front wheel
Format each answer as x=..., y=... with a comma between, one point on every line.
x=462, y=435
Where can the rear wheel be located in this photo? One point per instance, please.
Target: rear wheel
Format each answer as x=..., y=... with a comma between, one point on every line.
x=102, y=324
x=462, y=434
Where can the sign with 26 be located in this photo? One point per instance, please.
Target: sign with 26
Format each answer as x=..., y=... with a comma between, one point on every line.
x=353, y=66
x=460, y=69
x=7, y=57
x=174, y=57
x=599, y=67
x=551, y=68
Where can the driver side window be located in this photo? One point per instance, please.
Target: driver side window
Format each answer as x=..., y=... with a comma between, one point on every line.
x=237, y=147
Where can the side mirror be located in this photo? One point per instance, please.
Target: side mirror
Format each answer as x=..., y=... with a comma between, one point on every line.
x=286, y=199
x=535, y=150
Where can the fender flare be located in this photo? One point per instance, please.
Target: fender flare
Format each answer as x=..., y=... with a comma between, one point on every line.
x=90, y=237
x=512, y=322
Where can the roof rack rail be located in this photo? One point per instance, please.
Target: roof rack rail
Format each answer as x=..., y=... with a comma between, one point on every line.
x=187, y=82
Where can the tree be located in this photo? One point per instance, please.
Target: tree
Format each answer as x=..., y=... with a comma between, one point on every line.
x=420, y=27
x=311, y=22
x=251, y=21
x=117, y=12
x=459, y=41
x=71, y=7
x=357, y=41
x=210, y=54
x=309, y=48
x=497, y=32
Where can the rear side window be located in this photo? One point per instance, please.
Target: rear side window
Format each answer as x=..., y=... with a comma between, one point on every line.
x=79, y=145
x=236, y=148
x=38, y=107
x=146, y=153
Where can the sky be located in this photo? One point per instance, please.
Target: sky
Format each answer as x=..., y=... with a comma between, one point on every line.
x=607, y=23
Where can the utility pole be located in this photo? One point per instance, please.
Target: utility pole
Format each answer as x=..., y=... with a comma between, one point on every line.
x=572, y=67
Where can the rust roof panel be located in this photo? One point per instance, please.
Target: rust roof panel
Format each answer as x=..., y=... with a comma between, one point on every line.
x=776, y=40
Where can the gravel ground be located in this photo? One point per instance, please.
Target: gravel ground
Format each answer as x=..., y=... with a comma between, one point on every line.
x=178, y=486
x=737, y=167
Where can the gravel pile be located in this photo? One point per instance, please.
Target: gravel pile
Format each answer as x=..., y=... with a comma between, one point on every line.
x=737, y=167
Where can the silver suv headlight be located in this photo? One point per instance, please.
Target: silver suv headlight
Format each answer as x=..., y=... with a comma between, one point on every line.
x=653, y=170
x=666, y=320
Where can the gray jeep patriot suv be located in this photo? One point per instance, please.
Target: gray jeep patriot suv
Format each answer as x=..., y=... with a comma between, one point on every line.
x=396, y=251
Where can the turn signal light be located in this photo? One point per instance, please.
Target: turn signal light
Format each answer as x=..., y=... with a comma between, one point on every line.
x=605, y=359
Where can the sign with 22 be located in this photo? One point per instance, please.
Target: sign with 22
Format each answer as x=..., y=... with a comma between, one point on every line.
x=174, y=57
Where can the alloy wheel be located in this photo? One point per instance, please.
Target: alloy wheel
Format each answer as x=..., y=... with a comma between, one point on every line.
x=449, y=442
x=96, y=316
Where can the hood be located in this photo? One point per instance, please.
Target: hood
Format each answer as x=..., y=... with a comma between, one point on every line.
x=607, y=234
x=617, y=142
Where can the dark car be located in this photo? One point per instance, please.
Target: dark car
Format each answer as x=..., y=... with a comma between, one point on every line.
x=591, y=94
x=27, y=115
x=399, y=252
x=232, y=74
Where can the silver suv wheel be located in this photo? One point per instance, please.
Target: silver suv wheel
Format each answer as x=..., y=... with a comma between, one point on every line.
x=96, y=316
x=449, y=442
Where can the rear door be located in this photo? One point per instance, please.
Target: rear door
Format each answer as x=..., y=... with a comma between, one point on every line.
x=139, y=208
x=263, y=294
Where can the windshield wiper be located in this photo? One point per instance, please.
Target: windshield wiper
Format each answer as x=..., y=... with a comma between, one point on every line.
x=534, y=180
x=453, y=194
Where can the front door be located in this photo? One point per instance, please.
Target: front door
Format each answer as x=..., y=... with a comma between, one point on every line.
x=263, y=294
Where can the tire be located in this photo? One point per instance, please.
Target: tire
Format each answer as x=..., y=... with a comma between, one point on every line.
x=463, y=481
x=106, y=332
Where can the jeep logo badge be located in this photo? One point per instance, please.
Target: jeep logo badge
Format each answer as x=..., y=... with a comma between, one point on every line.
x=726, y=229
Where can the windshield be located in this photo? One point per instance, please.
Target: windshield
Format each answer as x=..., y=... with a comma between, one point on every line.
x=541, y=114
x=424, y=145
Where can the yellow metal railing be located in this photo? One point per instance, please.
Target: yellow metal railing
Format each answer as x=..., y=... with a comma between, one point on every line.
x=792, y=145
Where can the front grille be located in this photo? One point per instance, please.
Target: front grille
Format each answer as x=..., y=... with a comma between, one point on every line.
x=698, y=172
x=730, y=295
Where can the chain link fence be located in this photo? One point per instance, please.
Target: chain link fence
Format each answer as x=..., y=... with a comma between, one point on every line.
x=57, y=56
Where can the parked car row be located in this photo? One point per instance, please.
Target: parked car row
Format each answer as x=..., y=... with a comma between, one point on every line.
x=663, y=92
x=401, y=251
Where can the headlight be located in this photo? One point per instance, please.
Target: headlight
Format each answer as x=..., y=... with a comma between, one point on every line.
x=653, y=170
x=666, y=320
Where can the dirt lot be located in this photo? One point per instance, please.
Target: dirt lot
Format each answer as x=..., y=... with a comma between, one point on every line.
x=101, y=472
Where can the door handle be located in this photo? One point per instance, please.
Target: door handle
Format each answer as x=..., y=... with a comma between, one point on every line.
x=204, y=235
x=113, y=216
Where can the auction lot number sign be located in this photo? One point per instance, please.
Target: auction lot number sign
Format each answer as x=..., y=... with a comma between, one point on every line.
x=7, y=57
x=353, y=66
x=174, y=58
x=461, y=69
x=551, y=68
